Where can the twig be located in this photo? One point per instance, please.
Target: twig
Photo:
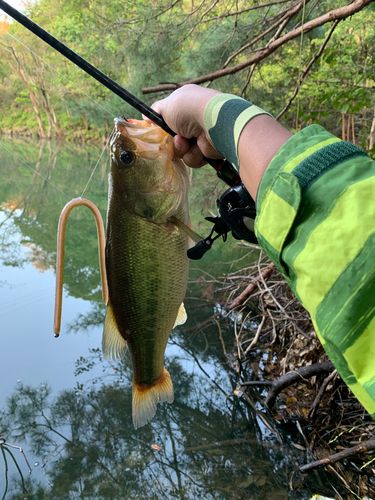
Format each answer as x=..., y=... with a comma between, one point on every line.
x=288, y=13
x=364, y=447
x=238, y=301
x=223, y=344
x=4, y=443
x=250, y=74
x=255, y=339
x=260, y=6
x=320, y=394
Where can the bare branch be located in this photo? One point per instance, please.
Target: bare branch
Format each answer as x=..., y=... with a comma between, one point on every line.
x=293, y=377
x=244, y=10
x=363, y=447
x=280, y=22
x=336, y=14
x=309, y=66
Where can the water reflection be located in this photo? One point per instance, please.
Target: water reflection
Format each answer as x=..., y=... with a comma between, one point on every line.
x=80, y=441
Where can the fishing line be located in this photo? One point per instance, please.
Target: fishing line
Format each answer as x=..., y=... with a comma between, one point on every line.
x=33, y=169
x=97, y=163
x=63, y=76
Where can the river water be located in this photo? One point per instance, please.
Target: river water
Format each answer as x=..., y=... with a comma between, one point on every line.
x=67, y=407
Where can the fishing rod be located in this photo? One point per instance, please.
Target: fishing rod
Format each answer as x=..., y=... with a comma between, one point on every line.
x=224, y=169
x=236, y=208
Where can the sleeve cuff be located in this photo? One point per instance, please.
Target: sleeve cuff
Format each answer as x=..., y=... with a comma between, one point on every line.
x=224, y=118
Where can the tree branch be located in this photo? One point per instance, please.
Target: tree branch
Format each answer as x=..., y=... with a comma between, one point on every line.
x=260, y=6
x=336, y=14
x=290, y=378
x=238, y=301
x=365, y=446
x=280, y=22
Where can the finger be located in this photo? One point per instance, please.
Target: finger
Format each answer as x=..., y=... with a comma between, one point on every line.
x=156, y=106
x=193, y=157
x=146, y=119
x=181, y=145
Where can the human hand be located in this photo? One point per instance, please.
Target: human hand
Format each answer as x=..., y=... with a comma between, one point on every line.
x=183, y=111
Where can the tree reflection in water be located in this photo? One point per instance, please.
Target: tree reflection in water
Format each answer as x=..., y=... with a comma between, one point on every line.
x=87, y=445
x=213, y=445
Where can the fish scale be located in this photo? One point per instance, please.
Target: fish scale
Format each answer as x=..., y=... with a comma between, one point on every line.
x=146, y=284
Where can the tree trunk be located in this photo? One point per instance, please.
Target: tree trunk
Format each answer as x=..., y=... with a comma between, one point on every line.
x=44, y=101
x=372, y=132
x=18, y=69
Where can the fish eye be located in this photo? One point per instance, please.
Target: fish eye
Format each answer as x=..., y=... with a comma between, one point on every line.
x=126, y=157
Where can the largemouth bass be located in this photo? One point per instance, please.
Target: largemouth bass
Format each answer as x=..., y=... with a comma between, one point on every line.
x=146, y=260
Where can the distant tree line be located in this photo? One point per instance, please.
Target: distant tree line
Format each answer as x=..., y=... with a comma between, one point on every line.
x=305, y=61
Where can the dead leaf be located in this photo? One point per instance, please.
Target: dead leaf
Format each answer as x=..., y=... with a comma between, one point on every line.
x=298, y=446
x=249, y=480
x=291, y=400
x=4, y=26
x=156, y=447
x=261, y=481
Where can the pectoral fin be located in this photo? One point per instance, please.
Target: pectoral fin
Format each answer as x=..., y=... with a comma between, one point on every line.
x=181, y=316
x=113, y=343
x=192, y=234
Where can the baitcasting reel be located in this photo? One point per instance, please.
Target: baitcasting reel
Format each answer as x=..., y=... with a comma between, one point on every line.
x=236, y=214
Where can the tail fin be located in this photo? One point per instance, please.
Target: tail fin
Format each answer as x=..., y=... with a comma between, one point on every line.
x=146, y=398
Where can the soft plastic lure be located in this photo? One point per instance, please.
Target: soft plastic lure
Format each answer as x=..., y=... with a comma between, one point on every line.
x=77, y=202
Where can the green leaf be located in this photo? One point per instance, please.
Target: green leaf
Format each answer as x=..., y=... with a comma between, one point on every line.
x=287, y=80
x=345, y=108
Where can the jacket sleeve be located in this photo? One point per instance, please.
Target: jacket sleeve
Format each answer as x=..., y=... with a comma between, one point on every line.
x=316, y=221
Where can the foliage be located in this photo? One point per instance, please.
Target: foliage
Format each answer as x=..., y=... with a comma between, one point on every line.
x=143, y=43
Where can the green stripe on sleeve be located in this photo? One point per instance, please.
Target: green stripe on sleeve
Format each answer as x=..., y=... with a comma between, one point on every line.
x=319, y=201
x=349, y=306
x=334, y=243
x=326, y=158
x=224, y=118
x=293, y=152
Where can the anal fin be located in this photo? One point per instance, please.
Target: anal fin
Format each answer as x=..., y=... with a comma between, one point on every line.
x=113, y=344
x=146, y=398
x=181, y=316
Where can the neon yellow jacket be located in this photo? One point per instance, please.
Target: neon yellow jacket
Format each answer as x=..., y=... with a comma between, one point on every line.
x=316, y=222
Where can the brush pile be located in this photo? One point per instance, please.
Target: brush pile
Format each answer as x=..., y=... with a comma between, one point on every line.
x=282, y=364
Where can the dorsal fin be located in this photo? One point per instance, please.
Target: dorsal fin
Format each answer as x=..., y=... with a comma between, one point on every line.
x=113, y=344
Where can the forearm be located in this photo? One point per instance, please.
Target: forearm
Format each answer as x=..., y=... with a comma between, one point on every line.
x=259, y=142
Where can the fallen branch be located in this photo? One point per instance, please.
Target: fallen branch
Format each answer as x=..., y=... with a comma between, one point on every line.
x=340, y=13
x=292, y=377
x=252, y=287
x=363, y=447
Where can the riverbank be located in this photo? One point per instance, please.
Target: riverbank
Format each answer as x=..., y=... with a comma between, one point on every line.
x=285, y=373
